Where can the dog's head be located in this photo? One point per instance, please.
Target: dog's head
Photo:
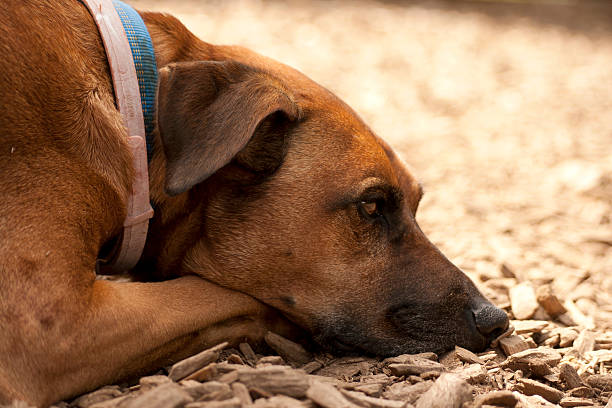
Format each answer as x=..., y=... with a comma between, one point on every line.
x=276, y=188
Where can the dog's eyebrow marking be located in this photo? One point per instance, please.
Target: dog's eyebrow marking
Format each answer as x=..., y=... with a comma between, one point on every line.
x=360, y=188
x=371, y=182
x=393, y=194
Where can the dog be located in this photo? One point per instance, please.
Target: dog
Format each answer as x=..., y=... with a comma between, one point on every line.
x=276, y=208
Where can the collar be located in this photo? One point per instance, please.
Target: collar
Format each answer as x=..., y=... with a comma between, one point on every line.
x=144, y=63
x=132, y=64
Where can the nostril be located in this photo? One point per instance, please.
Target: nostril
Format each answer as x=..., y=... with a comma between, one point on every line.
x=490, y=319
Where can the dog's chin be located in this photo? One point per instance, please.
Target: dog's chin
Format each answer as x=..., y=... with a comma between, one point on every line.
x=343, y=346
x=346, y=340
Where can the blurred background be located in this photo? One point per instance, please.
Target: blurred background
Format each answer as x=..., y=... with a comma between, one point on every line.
x=502, y=108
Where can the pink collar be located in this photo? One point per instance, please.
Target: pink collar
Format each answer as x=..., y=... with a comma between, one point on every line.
x=130, y=245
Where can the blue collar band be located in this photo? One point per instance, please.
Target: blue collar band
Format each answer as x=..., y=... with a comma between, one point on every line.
x=144, y=62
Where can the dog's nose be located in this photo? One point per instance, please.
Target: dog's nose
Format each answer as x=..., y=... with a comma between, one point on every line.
x=490, y=319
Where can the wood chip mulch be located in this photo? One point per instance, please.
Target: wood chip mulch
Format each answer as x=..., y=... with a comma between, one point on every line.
x=536, y=363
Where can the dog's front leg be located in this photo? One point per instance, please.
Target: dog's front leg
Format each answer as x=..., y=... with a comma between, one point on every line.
x=126, y=329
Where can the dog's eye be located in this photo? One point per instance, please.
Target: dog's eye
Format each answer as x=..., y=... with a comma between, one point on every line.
x=370, y=208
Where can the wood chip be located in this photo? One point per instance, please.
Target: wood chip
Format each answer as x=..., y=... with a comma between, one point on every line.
x=415, y=365
x=581, y=392
x=497, y=382
x=276, y=380
x=283, y=401
x=577, y=316
x=327, y=380
x=229, y=378
x=507, y=271
x=553, y=341
x=372, y=389
x=530, y=342
x=377, y=379
x=216, y=391
x=513, y=344
x=165, y=396
x=427, y=355
x=102, y=394
x=567, y=336
x=541, y=314
x=242, y=393
x=538, y=361
x=327, y=396
x=547, y=299
x=311, y=367
x=566, y=319
x=208, y=391
x=205, y=373
x=450, y=360
x=529, y=326
x=498, y=398
x=489, y=355
x=228, y=403
x=430, y=375
x=585, y=342
x=602, y=382
x=225, y=367
x=467, y=356
x=344, y=368
x=194, y=388
x=114, y=403
x=403, y=391
x=600, y=356
x=258, y=393
x=505, y=334
x=532, y=387
x=575, y=402
x=523, y=301
x=274, y=360
x=189, y=365
x=449, y=391
x=370, y=402
x=292, y=352
x=152, y=381
x=235, y=359
x=248, y=353
x=569, y=376
x=408, y=358
x=474, y=374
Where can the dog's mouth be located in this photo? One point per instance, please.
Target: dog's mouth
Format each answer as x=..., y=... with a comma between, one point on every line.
x=351, y=337
x=341, y=347
x=388, y=347
x=348, y=340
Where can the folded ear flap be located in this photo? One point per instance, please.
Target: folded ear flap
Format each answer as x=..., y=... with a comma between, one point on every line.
x=207, y=112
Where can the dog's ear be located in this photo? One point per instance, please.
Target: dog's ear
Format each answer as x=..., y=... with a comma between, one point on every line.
x=208, y=111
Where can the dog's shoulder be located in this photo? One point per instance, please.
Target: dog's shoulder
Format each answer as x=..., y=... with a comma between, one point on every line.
x=56, y=91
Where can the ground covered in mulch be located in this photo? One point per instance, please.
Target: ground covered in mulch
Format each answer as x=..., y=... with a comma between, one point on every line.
x=536, y=363
x=504, y=112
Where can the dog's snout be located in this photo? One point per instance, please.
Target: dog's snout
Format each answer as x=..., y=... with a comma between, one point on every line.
x=489, y=319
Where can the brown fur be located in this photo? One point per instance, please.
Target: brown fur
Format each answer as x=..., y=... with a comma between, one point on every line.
x=258, y=176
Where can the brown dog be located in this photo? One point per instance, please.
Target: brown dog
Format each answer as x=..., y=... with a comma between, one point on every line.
x=270, y=195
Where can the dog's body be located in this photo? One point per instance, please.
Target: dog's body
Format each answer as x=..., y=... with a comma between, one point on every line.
x=281, y=200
